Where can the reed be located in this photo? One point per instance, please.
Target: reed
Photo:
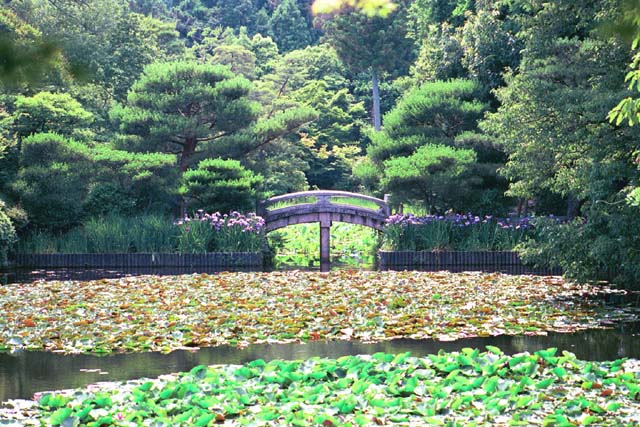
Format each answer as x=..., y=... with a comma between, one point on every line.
x=455, y=232
x=199, y=233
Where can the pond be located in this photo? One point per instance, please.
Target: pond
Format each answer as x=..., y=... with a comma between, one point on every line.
x=25, y=373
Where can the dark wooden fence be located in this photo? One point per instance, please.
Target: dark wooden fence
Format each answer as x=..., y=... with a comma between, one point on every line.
x=214, y=260
x=402, y=260
x=508, y=262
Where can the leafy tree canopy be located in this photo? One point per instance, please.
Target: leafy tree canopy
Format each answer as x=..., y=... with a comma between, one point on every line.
x=49, y=112
x=417, y=155
x=371, y=44
x=26, y=55
x=101, y=40
x=288, y=27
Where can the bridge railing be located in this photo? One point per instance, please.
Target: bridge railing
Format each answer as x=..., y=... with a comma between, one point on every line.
x=324, y=198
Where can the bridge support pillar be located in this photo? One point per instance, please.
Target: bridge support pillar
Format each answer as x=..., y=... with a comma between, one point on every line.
x=325, y=243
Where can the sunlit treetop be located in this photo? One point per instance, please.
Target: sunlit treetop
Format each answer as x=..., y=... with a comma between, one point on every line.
x=369, y=7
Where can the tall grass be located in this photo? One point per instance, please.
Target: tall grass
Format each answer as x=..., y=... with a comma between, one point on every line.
x=40, y=242
x=112, y=234
x=194, y=237
x=155, y=234
x=109, y=235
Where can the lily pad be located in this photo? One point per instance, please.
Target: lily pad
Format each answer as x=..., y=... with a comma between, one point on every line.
x=385, y=389
x=153, y=313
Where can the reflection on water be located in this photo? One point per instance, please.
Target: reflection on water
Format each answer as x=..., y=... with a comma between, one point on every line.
x=21, y=375
x=28, y=275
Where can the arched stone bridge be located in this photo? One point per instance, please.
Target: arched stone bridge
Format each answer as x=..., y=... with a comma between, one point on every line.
x=325, y=207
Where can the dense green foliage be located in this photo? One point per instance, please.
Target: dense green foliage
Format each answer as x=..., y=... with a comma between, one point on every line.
x=53, y=180
x=428, y=154
x=179, y=106
x=552, y=121
x=628, y=109
x=371, y=44
x=49, y=112
x=25, y=53
x=491, y=107
x=288, y=27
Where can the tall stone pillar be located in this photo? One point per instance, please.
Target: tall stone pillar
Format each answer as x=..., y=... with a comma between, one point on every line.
x=325, y=243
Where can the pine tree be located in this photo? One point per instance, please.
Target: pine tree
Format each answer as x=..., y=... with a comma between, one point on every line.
x=180, y=107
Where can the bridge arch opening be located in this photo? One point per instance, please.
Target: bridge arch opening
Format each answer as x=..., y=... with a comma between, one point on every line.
x=324, y=207
x=351, y=246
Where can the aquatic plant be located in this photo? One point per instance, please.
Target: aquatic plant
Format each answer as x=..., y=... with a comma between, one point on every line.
x=466, y=388
x=163, y=313
x=197, y=233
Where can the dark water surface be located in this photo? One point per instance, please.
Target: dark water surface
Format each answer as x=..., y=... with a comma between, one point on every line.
x=30, y=275
x=23, y=374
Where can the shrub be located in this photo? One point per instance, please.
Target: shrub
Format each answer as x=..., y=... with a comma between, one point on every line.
x=601, y=247
x=52, y=183
x=220, y=185
x=7, y=235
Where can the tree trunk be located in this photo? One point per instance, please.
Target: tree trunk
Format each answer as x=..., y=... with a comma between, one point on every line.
x=188, y=151
x=377, y=122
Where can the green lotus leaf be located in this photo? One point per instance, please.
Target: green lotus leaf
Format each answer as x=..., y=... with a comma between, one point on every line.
x=545, y=383
x=59, y=416
x=204, y=420
x=559, y=371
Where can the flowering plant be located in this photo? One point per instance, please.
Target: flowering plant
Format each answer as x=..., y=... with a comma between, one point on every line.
x=216, y=232
x=460, y=220
x=456, y=232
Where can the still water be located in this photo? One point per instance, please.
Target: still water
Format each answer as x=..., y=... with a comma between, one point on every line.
x=23, y=374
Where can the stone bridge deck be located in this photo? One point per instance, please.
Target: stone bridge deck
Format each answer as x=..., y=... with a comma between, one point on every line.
x=328, y=206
